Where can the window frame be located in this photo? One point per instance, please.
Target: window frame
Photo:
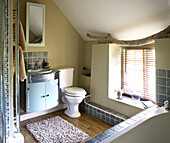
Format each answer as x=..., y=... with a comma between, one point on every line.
x=151, y=47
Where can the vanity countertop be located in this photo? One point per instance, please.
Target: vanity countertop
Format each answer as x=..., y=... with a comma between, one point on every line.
x=39, y=73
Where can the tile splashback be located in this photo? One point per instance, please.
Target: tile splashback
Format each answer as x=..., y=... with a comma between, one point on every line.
x=104, y=114
x=162, y=85
x=101, y=112
x=31, y=57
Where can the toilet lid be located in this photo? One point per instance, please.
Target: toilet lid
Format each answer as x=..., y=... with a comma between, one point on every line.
x=75, y=91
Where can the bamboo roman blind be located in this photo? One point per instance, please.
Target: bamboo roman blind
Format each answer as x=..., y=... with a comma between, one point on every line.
x=138, y=72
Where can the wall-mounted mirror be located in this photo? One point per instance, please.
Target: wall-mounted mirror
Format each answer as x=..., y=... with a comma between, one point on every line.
x=35, y=26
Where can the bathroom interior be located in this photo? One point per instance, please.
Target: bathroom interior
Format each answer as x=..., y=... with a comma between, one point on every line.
x=59, y=63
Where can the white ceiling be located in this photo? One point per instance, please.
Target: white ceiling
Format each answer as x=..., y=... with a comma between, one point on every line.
x=123, y=19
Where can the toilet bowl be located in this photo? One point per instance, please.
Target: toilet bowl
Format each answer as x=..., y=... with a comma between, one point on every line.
x=72, y=97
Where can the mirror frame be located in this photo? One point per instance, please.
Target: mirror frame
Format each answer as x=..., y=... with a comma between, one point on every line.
x=27, y=26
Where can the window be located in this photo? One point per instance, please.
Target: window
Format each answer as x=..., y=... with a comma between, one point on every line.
x=138, y=72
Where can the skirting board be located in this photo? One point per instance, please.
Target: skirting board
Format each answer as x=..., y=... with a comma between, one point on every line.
x=36, y=114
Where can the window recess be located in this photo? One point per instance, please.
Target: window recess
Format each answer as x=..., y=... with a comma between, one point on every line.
x=138, y=72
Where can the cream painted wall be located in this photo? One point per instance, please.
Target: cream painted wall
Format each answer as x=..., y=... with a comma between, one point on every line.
x=62, y=41
x=114, y=70
x=162, y=49
x=84, y=81
x=87, y=53
x=100, y=78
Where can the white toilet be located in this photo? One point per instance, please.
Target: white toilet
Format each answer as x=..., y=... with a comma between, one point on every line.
x=71, y=96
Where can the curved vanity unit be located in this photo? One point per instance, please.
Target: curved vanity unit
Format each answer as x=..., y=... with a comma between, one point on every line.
x=34, y=71
x=42, y=92
x=42, y=77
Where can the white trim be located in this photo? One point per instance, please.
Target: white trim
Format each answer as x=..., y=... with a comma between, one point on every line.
x=36, y=114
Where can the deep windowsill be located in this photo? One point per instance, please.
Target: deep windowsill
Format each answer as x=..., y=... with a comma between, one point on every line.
x=128, y=100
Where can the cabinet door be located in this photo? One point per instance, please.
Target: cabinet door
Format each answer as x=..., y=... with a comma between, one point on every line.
x=52, y=94
x=36, y=97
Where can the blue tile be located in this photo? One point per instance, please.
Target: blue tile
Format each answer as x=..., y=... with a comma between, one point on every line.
x=162, y=73
x=45, y=54
x=91, y=111
x=107, y=118
x=110, y=116
x=29, y=54
x=101, y=112
x=157, y=97
x=168, y=82
x=157, y=80
x=116, y=118
x=90, y=107
x=161, y=89
x=103, y=117
x=162, y=98
x=168, y=73
x=109, y=132
x=98, y=115
x=116, y=128
x=94, y=112
x=111, y=121
x=101, y=136
x=98, y=111
x=34, y=54
x=25, y=54
x=157, y=88
x=92, y=140
x=119, y=120
x=157, y=72
x=115, y=122
x=162, y=81
x=168, y=91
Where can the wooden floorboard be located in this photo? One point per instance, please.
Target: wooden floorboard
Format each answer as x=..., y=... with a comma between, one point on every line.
x=87, y=123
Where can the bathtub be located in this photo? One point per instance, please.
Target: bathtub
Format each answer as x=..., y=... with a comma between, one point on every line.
x=153, y=130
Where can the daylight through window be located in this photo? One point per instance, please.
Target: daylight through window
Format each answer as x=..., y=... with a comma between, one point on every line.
x=138, y=72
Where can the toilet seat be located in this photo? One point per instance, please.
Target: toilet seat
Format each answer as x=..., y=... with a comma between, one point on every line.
x=75, y=92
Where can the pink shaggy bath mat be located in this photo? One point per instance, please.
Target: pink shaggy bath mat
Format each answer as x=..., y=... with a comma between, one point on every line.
x=56, y=130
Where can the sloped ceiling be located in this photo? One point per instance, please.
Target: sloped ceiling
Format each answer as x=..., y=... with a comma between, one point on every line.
x=123, y=19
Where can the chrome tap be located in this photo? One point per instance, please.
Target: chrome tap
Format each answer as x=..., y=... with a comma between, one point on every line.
x=36, y=66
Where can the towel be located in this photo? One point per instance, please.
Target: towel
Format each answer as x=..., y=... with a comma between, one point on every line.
x=22, y=42
x=22, y=72
x=22, y=47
